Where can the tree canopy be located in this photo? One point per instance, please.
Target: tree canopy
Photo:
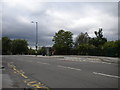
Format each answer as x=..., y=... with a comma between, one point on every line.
x=82, y=38
x=6, y=45
x=99, y=39
x=63, y=42
x=19, y=46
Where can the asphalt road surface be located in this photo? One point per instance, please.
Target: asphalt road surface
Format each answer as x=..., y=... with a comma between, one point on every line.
x=31, y=71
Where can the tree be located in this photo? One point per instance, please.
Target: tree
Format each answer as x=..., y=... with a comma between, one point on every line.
x=42, y=51
x=0, y=46
x=6, y=45
x=62, y=42
x=99, y=39
x=109, y=44
x=31, y=51
x=82, y=38
x=112, y=48
x=117, y=45
x=19, y=46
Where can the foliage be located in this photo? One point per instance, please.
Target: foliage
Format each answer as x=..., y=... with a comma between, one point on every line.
x=63, y=42
x=42, y=51
x=31, y=51
x=82, y=38
x=6, y=45
x=99, y=39
x=84, y=49
x=112, y=48
x=109, y=44
x=0, y=46
x=117, y=45
x=19, y=46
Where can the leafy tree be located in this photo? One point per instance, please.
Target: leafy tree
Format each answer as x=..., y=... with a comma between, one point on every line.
x=110, y=48
x=42, y=51
x=6, y=45
x=85, y=49
x=19, y=46
x=99, y=39
x=99, y=33
x=109, y=44
x=63, y=42
x=0, y=47
x=117, y=45
x=31, y=51
x=82, y=38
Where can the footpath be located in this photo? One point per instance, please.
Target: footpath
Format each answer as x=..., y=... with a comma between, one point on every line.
x=83, y=58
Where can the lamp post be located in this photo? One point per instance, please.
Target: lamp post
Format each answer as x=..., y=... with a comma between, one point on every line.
x=36, y=25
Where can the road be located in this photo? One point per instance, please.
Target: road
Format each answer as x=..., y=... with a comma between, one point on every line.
x=59, y=73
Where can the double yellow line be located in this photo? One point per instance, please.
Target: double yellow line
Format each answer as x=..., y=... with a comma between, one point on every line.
x=20, y=72
x=35, y=84
x=29, y=82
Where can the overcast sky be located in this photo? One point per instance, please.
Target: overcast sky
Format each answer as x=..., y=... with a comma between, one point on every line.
x=76, y=17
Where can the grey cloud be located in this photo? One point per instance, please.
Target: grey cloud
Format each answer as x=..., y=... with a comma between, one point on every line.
x=52, y=17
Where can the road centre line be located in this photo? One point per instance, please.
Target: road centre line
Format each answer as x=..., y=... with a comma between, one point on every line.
x=107, y=75
x=69, y=67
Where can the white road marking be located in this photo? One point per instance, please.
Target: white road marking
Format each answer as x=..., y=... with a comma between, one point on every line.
x=43, y=63
x=46, y=63
x=38, y=62
x=30, y=61
x=113, y=76
x=69, y=67
x=87, y=61
x=106, y=63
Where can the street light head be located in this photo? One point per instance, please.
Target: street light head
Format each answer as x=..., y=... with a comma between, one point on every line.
x=32, y=22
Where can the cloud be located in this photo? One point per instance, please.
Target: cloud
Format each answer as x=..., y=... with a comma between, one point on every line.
x=76, y=17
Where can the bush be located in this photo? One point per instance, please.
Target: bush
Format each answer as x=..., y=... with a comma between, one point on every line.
x=111, y=48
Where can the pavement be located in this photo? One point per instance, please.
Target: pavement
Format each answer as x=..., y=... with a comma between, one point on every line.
x=60, y=71
x=83, y=58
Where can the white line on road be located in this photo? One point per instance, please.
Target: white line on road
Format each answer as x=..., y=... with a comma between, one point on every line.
x=43, y=63
x=69, y=67
x=106, y=62
x=113, y=76
x=46, y=63
x=29, y=61
x=38, y=62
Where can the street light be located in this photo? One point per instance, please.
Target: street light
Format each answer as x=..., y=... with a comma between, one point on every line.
x=36, y=34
